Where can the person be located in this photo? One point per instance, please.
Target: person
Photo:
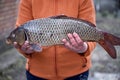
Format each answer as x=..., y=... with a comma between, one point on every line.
x=70, y=61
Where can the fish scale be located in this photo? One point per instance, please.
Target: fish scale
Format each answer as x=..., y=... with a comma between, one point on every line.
x=54, y=30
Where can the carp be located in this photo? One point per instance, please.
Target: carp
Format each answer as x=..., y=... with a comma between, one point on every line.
x=50, y=31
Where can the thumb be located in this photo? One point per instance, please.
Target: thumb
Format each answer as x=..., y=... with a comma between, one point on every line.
x=16, y=45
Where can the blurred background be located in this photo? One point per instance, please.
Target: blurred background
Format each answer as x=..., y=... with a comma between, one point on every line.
x=12, y=64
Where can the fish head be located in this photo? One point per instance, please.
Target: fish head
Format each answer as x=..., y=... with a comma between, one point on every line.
x=17, y=35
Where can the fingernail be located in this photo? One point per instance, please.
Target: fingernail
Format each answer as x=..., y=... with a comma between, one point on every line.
x=69, y=34
x=64, y=40
x=26, y=42
x=15, y=42
x=74, y=33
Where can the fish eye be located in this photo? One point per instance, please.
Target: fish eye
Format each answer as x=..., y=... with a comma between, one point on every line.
x=13, y=35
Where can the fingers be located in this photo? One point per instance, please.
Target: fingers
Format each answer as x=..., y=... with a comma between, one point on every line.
x=25, y=46
x=66, y=43
x=16, y=45
x=75, y=40
x=36, y=47
x=75, y=43
x=72, y=40
x=78, y=39
x=28, y=48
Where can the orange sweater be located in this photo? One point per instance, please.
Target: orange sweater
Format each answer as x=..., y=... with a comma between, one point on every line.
x=57, y=62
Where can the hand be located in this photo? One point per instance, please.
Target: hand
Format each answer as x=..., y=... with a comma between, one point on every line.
x=28, y=48
x=76, y=44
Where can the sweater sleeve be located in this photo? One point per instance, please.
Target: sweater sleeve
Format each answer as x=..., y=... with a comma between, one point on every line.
x=25, y=12
x=24, y=15
x=87, y=12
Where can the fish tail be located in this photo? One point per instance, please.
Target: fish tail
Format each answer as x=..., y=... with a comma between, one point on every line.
x=109, y=42
x=114, y=40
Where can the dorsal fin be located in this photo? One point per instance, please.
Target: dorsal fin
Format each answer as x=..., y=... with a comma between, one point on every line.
x=72, y=18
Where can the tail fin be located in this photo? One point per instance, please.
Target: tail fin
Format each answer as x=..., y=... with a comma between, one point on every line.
x=108, y=44
x=114, y=40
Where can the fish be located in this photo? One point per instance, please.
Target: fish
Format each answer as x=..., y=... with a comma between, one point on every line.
x=51, y=30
